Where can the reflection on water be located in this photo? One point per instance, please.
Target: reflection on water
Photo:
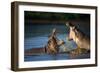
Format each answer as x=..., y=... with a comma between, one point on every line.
x=47, y=57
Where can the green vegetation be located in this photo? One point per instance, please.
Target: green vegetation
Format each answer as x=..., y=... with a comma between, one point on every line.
x=54, y=16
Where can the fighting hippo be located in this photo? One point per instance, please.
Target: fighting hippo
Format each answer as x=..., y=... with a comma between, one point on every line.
x=78, y=37
x=53, y=43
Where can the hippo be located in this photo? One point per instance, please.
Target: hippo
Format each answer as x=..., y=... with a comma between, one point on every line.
x=53, y=43
x=81, y=39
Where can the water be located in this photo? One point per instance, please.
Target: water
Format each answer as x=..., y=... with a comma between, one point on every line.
x=47, y=57
x=60, y=56
x=41, y=41
x=36, y=36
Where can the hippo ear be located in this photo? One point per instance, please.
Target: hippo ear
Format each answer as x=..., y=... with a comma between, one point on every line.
x=67, y=24
x=71, y=24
